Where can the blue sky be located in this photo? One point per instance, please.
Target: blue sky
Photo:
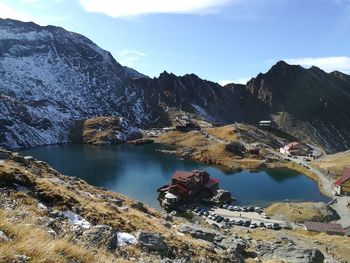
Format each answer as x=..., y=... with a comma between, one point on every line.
x=219, y=40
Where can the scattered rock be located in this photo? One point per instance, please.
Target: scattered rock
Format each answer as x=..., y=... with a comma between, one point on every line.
x=125, y=239
x=236, y=148
x=151, y=241
x=20, y=259
x=4, y=237
x=100, y=236
x=198, y=232
x=123, y=209
x=42, y=206
x=236, y=245
x=221, y=197
x=139, y=206
x=76, y=220
x=290, y=253
x=167, y=217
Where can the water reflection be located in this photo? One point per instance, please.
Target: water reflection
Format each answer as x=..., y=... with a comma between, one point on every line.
x=138, y=171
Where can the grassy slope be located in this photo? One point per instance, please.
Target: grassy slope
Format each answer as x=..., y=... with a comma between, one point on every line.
x=204, y=149
x=65, y=193
x=334, y=163
x=300, y=212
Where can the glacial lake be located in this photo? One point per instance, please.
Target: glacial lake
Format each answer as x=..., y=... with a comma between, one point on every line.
x=138, y=171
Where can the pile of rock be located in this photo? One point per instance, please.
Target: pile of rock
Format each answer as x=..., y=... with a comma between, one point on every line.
x=221, y=197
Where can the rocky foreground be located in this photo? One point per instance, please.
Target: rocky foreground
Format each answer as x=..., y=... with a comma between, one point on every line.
x=49, y=217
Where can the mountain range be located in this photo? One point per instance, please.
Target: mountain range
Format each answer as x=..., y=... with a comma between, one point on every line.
x=51, y=78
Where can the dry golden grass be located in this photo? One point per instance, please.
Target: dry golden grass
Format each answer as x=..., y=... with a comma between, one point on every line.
x=34, y=242
x=208, y=151
x=334, y=163
x=299, y=212
x=227, y=133
x=98, y=130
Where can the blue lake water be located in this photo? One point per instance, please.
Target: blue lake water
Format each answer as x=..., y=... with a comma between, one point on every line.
x=137, y=171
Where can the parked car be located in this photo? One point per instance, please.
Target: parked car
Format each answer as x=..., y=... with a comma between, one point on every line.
x=225, y=206
x=257, y=209
x=262, y=224
x=250, y=209
x=244, y=209
x=201, y=212
x=236, y=208
x=214, y=217
x=230, y=208
x=197, y=209
x=263, y=215
x=247, y=223
x=276, y=226
x=206, y=213
x=269, y=226
x=240, y=223
x=219, y=219
x=253, y=225
x=226, y=220
x=233, y=222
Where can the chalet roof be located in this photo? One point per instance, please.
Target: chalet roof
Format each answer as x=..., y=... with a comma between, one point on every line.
x=345, y=177
x=324, y=227
x=181, y=175
x=212, y=182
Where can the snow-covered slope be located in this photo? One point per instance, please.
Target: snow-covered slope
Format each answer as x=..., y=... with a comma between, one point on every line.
x=49, y=78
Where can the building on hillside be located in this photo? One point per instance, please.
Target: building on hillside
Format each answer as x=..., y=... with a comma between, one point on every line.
x=187, y=186
x=342, y=185
x=328, y=228
x=265, y=123
x=188, y=126
x=295, y=148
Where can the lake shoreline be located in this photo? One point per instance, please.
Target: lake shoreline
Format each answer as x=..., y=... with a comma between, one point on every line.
x=147, y=155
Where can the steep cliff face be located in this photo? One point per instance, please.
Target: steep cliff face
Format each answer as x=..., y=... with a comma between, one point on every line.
x=309, y=103
x=49, y=78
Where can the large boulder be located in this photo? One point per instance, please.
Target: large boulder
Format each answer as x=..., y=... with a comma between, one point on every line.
x=100, y=236
x=198, y=232
x=236, y=245
x=221, y=196
x=236, y=148
x=290, y=253
x=151, y=241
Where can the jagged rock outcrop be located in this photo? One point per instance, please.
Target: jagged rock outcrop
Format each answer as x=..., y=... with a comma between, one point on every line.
x=198, y=232
x=151, y=241
x=100, y=236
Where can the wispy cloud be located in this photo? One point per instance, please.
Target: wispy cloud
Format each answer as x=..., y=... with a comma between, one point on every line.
x=125, y=8
x=326, y=63
x=129, y=58
x=236, y=81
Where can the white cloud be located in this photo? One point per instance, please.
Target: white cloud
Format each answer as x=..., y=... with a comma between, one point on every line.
x=7, y=11
x=129, y=58
x=125, y=8
x=236, y=81
x=328, y=64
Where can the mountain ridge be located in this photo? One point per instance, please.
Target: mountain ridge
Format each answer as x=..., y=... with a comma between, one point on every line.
x=50, y=78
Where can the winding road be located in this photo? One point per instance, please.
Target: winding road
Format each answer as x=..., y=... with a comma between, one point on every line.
x=340, y=204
